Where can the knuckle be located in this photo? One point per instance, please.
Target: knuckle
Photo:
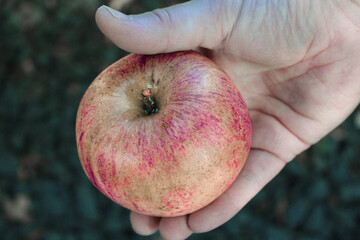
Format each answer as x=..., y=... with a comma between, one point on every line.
x=162, y=16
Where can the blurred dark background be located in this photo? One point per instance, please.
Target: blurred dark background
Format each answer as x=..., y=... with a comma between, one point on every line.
x=51, y=50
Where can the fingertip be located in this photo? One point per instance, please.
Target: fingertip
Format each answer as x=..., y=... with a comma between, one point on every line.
x=221, y=210
x=126, y=32
x=175, y=28
x=110, y=12
x=144, y=225
x=175, y=228
x=106, y=16
x=212, y=216
x=101, y=16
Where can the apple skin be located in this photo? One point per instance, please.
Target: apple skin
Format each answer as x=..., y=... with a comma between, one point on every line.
x=177, y=160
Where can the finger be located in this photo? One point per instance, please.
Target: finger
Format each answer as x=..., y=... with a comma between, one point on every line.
x=175, y=228
x=179, y=27
x=144, y=225
x=259, y=169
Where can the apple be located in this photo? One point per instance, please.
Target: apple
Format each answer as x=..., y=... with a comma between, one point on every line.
x=163, y=135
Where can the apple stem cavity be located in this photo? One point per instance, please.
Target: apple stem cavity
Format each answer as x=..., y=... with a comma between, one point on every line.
x=150, y=107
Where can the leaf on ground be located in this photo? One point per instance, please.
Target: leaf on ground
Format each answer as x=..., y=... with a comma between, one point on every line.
x=29, y=164
x=18, y=209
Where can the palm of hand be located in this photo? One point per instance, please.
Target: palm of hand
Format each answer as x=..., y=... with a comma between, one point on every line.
x=297, y=89
x=298, y=76
x=294, y=99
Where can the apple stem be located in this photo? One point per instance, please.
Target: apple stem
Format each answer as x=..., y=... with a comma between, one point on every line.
x=150, y=107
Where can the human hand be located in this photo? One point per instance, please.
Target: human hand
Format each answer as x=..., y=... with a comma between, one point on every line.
x=296, y=64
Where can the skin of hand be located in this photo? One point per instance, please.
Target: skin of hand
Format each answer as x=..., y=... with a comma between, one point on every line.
x=296, y=63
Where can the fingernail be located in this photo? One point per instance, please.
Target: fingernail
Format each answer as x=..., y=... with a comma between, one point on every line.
x=114, y=13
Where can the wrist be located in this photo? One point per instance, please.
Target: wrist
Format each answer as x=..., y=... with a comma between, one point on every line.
x=349, y=8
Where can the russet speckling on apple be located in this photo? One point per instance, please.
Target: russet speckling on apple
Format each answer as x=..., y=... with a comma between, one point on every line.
x=163, y=135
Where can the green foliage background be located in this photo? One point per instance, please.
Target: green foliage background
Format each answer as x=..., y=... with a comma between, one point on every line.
x=50, y=52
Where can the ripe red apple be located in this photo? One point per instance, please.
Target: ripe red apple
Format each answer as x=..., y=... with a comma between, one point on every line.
x=163, y=135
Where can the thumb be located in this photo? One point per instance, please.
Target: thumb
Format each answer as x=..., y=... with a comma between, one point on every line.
x=180, y=27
